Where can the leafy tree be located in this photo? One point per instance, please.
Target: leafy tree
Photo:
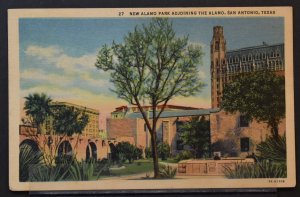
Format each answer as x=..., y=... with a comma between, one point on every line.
x=37, y=107
x=259, y=96
x=152, y=66
x=196, y=134
x=127, y=150
x=68, y=120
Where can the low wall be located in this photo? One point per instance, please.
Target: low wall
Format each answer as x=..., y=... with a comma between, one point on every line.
x=209, y=167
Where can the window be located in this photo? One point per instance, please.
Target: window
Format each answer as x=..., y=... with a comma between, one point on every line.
x=257, y=56
x=179, y=125
x=236, y=59
x=179, y=145
x=243, y=58
x=244, y=144
x=249, y=57
x=243, y=121
x=217, y=45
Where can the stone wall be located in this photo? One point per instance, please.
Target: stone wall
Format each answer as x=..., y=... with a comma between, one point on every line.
x=226, y=134
x=209, y=167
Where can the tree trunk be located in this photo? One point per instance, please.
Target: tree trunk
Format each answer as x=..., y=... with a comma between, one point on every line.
x=154, y=144
x=154, y=154
x=275, y=131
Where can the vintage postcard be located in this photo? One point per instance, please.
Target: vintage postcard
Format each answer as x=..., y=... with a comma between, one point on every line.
x=151, y=98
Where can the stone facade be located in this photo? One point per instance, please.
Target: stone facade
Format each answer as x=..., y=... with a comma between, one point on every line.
x=132, y=126
x=232, y=134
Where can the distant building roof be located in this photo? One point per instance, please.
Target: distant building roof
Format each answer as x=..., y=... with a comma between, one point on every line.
x=264, y=45
x=148, y=107
x=177, y=113
x=90, y=110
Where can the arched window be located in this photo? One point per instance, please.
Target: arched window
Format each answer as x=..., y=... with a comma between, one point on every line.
x=257, y=56
x=249, y=57
x=217, y=45
x=236, y=59
x=244, y=58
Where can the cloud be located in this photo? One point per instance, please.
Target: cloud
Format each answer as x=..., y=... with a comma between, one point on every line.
x=63, y=70
x=46, y=53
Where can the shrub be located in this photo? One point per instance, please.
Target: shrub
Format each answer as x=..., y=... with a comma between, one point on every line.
x=183, y=155
x=166, y=171
x=127, y=151
x=29, y=159
x=148, y=152
x=163, y=151
x=263, y=169
x=138, y=153
x=273, y=149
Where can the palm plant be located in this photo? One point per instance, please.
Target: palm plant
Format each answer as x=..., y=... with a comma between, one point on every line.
x=37, y=106
x=28, y=159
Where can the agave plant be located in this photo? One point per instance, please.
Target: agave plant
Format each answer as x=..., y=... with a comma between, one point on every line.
x=84, y=171
x=47, y=174
x=166, y=171
x=29, y=159
x=263, y=169
x=273, y=149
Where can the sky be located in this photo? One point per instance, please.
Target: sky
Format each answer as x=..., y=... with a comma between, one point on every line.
x=57, y=55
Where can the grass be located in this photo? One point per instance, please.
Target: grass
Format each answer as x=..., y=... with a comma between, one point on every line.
x=139, y=166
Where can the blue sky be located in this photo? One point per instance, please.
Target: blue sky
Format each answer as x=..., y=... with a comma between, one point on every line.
x=57, y=55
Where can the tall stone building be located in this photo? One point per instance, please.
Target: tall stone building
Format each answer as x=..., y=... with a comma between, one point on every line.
x=232, y=134
x=227, y=64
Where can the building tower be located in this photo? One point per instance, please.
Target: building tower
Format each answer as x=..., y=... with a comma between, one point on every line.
x=218, y=65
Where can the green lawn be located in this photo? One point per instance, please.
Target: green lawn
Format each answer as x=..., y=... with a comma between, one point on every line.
x=139, y=166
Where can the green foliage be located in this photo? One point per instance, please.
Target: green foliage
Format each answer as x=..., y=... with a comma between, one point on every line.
x=29, y=159
x=263, y=169
x=68, y=120
x=46, y=174
x=196, y=134
x=183, y=155
x=258, y=95
x=166, y=171
x=148, y=152
x=102, y=167
x=127, y=151
x=163, y=150
x=82, y=171
x=37, y=107
x=273, y=149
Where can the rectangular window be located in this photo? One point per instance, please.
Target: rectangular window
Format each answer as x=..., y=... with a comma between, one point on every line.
x=179, y=145
x=244, y=144
x=243, y=122
x=179, y=125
